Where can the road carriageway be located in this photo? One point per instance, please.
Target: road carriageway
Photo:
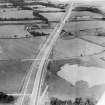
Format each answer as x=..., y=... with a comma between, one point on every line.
x=30, y=93
x=41, y=62
x=38, y=68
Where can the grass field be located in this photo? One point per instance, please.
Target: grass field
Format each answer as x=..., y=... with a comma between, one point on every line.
x=12, y=73
x=84, y=49
x=20, y=48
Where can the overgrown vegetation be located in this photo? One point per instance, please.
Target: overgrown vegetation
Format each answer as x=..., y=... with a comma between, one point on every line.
x=34, y=34
x=4, y=98
x=77, y=101
x=90, y=9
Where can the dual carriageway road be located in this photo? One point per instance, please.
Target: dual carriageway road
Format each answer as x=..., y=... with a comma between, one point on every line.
x=39, y=62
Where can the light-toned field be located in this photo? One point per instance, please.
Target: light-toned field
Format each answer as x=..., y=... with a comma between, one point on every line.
x=11, y=30
x=64, y=90
x=14, y=13
x=53, y=16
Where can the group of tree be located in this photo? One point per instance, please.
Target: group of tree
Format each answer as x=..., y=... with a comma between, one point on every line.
x=77, y=101
x=34, y=34
x=17, y=19
x=89, y=9
x=4, y=98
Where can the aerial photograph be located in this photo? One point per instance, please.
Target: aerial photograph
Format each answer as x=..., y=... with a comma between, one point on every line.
x=52, y=52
